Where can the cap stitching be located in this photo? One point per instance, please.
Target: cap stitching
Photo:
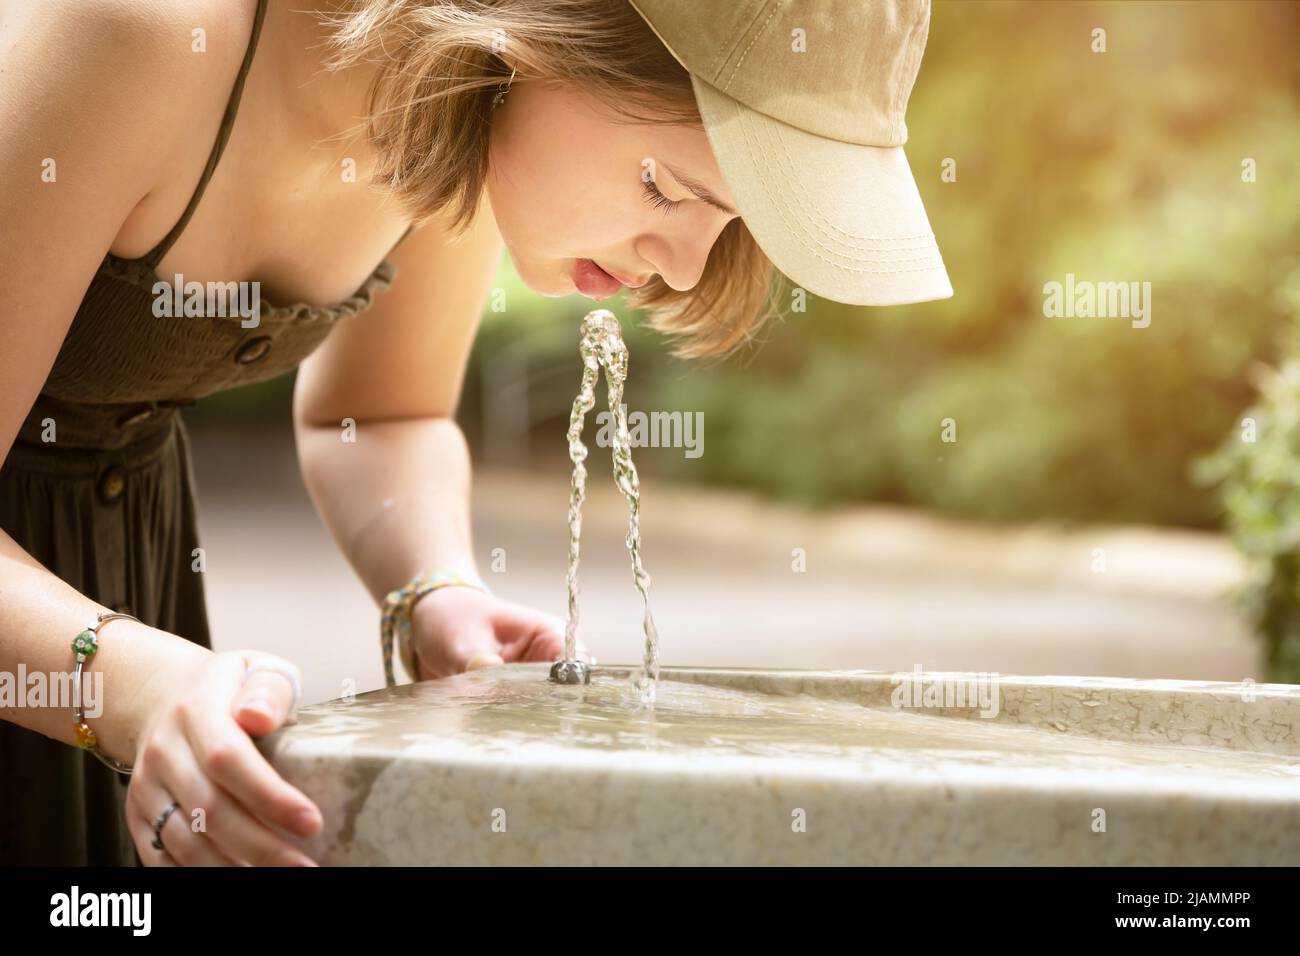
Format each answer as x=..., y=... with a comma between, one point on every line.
x=927, y=243
x=795, y=228
x=718, y=62
x=832, y=226
x=903, y=61
x=758, y=33
x=898, y=72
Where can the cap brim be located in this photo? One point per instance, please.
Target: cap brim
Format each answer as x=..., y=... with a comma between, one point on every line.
x=841, y=220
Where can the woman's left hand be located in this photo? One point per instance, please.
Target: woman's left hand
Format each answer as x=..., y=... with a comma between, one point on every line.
x=455, y=629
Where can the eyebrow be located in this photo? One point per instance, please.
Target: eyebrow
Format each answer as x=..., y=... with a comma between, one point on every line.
x=701, y=191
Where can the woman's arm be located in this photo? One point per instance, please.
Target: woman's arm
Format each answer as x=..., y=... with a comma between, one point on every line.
x=397, y=499
x=78, y=151
x=94, y=97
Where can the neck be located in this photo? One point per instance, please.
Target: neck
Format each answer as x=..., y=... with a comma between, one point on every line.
x=325, y=108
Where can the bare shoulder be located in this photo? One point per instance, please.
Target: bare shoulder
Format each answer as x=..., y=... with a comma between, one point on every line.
x=97, y=100
x=157, y=39
x=144, y=68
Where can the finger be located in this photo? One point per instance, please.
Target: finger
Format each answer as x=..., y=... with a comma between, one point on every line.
x=549, y=645
x=146, y=799
x=141, y=835
x=141, y=831
x=267, y=697
x=228, y=827
x=544, y=646
x=528, y=634
x=226, y=755
x=473, y=646
x=480, y=661
x=449, y=638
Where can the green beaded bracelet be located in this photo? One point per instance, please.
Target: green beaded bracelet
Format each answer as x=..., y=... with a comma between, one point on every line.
x=395, y=625
x=84, y=646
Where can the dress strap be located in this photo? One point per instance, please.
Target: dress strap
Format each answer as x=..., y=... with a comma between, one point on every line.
x=155, y=254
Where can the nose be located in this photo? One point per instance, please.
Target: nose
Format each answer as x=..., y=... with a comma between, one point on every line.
x=679, y=255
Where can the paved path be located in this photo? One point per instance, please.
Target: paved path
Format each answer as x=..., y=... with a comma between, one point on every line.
x=882, y=588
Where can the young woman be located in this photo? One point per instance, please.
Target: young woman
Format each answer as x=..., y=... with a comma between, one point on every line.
x=266, y=145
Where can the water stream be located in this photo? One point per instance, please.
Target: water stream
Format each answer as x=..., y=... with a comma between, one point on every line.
x=602, y=346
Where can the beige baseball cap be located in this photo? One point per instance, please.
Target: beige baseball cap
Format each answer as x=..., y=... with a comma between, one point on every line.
x=803, y=103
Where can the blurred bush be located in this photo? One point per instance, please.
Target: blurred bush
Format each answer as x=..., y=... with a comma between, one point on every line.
x=1256, y=468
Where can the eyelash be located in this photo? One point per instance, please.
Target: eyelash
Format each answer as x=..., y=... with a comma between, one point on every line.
x=656, y=198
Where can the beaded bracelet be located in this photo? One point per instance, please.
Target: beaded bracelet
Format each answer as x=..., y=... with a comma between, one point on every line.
x=84, y=646
x=396, y=620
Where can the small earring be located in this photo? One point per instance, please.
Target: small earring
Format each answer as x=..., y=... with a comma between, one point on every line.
x=502, y=90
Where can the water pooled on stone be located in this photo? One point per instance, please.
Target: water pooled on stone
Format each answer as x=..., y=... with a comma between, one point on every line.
x=602, y=346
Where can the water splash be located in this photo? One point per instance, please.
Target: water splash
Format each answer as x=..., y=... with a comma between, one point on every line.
x=602, y=346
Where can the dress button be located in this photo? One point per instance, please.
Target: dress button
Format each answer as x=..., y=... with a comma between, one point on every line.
x=254, y=350
x=111, y=485
x=134, y=416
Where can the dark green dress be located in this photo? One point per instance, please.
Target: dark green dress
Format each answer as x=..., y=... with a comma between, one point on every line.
x=109, y=505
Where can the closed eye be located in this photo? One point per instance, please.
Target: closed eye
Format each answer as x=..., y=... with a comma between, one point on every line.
x=656, y=198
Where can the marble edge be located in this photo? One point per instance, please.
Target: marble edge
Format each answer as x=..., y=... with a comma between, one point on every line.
x=576, y=768
x=1199, y=714
x=1285, y=691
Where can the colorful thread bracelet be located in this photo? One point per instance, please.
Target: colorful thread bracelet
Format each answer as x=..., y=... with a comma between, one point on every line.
x=395, y=625
x=84, y=646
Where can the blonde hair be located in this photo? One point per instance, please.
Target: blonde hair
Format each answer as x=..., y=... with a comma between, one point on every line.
x=430, y=117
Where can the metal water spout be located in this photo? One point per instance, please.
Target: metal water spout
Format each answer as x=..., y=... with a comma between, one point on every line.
x=570, y=672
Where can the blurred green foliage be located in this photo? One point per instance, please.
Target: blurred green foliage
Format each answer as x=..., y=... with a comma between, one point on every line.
x=1261, y=486
x=1116, y=166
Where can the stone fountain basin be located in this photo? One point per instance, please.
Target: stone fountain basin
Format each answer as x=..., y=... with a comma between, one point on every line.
x=500, y=766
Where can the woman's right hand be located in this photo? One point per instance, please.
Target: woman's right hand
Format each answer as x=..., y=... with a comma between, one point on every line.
x=196, y=750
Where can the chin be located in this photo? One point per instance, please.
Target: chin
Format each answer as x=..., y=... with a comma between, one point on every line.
x=548, y=285
x=551, y=290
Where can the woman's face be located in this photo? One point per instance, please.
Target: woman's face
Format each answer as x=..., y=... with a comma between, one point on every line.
x=568, y=182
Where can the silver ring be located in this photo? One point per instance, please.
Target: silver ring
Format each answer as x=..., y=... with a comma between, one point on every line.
x=284, y=669
x=160, y=823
